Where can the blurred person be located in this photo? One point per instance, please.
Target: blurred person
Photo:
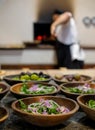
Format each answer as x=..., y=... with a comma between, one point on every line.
x=69, y=53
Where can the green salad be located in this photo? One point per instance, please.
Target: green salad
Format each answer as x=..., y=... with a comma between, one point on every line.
x=91, y=104
x=31, y=76
x=1, y=89
x=47, y=107
x=37, y=89
x=85, y=89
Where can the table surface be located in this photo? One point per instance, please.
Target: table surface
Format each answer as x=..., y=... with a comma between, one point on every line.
x=79, y=121
x=90, y=72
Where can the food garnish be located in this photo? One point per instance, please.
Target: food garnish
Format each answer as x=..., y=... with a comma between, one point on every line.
x=37, y=89
x=45, y=107
x=91, y=103
x=85, y=89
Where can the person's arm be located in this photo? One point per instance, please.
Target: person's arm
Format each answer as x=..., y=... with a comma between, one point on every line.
x=63, y=18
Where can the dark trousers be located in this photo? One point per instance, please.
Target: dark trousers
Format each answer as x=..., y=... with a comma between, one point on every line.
x=64, y=57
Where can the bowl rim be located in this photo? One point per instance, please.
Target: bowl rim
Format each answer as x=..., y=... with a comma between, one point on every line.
x=6, y=89
x=20, y=94
x=5, y=116
x=2, y=72
x=71, y=93
x=90, y=78
x=82, y=104
x=41, y=115
x=7, y=77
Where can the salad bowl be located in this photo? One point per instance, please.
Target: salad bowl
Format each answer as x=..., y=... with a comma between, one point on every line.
x=29, y=89
x=73, y=90
x=87, y=104
x=4, y=88
x=69, y=78
x=92, y=81
x=27, y=76
x=3, y=114
x=45, y=110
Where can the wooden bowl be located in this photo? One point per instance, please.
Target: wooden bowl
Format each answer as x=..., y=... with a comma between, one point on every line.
x=65, y=86
x=69, y=78
x=46, y=120
x=5, y=89
x=11, y=81
x=92, y=81
x=16, y=89
x=3, y=114
x=82, y=100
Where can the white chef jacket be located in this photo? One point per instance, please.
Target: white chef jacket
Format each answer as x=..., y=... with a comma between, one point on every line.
x=67, y=34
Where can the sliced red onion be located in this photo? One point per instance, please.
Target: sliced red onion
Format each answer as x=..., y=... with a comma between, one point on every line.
x=33, y=88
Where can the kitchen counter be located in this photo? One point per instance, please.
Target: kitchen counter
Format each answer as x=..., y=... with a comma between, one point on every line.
x=79, y=121
x=31, y=46
x=37, y=54
x=52, y=72
x=33, y=55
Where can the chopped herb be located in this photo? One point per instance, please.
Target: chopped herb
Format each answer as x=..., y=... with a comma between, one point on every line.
x=37, y=89
x=22, y=105
x=91, y=104
x=85, y=89
x=1, y=89
x=44, y=107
